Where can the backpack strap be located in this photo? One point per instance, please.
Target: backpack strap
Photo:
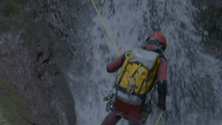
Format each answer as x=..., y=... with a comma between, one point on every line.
x=127, y=55
x=117, y=86
x=145, y=80
x=130, y=84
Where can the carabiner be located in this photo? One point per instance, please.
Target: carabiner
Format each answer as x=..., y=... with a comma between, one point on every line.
x=130, y=84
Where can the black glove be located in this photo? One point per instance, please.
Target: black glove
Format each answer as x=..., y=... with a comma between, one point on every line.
x=162, y=90
x=161, y=106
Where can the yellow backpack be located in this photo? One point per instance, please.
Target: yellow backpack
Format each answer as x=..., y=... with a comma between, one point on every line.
x=138, y=72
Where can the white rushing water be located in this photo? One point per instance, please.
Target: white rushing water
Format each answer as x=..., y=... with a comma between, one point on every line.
x=193, y=77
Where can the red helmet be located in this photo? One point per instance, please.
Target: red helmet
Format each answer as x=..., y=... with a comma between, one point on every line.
x=160, y=37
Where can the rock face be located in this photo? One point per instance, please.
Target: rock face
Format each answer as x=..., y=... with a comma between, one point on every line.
x=34, y=57
x=209, y=23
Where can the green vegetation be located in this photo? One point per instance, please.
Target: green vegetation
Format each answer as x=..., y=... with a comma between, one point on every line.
x=12, y=105
x=23, y=2
x=27, y=40
x=3, y=121
x=4, y=26
x=10, y=9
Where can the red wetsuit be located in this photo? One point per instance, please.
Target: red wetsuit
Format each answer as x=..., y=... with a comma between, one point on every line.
x=133, y=112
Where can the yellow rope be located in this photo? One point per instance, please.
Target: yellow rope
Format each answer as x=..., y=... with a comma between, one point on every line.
x=105, y=27
x=159, y=117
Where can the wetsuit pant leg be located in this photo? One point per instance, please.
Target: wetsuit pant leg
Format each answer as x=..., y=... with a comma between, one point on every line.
x=111, y=119
x=143, y=123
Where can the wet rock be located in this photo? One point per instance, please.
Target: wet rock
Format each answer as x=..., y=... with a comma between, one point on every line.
x=37, y=90
x=39, y=55
x=210, y=19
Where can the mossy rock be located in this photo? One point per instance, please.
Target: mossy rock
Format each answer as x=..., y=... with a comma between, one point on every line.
x=13, y=108
x=3, y=120
x=4, y=26
x=10, y=9
x=22, y=2
x=209, y=24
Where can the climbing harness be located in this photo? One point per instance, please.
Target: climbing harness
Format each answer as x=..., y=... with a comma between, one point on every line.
x=110, y=98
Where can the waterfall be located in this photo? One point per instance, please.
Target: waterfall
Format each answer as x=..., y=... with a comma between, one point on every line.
x=194, y=84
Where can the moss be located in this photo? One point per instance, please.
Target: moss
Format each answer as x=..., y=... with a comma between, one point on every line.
x=4, y=27
x=3, y=120
x=18, y=18
x=24, y=36
x=12, y=105
x=4, y=55
x=34, y=3
x=10, y=9
x=12, y=65
x=23, y=2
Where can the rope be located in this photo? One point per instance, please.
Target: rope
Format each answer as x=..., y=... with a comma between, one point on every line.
x=159, y=117
x=105, y=26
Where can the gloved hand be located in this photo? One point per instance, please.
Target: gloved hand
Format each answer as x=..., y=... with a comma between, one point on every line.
x=162, y=89
x=161, y=106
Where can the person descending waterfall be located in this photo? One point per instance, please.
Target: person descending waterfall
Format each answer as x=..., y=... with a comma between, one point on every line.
x=142, y=69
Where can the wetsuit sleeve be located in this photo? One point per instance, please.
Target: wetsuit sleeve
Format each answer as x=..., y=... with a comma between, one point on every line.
x=162, y=81
x=116, y=64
